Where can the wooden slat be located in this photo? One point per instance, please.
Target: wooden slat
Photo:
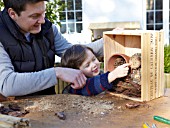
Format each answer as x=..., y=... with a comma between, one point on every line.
x=161, y=72
x=111, y=25
x=144, y=67
x=60, y=86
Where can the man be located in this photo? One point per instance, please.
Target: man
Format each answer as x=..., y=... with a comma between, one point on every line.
x=28, y=44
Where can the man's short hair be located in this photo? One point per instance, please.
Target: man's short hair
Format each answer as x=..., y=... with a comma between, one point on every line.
x=19, y=5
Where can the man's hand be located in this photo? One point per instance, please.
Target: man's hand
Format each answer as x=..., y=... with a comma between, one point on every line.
x=74, y=76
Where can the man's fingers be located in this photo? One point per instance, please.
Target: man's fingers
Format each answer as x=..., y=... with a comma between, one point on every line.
x=79, y=82
x=83, y=79
x=75, y=85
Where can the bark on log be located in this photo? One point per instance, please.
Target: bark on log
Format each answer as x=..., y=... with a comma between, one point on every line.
x=7, y=121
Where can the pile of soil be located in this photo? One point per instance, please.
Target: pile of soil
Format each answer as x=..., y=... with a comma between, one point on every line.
x=99, y=111
x=66, y=103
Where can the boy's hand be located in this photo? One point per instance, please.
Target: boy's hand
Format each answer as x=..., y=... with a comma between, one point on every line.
x=118, y=72
x=122, y=70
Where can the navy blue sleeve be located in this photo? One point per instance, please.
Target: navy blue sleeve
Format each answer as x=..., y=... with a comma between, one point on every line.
x=94, y=86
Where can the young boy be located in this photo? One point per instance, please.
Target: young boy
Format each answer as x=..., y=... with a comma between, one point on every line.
x=82, y=57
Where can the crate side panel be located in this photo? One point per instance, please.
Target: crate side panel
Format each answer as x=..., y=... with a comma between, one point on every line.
x=151, y=65
x=157, y=63
x=132, y=45
x=161, y=63
x=112, y=44
x=145, y=91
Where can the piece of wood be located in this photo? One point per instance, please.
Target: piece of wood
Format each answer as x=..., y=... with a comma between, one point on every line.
x=7, y=121
x=111, y=25
x=2, y=98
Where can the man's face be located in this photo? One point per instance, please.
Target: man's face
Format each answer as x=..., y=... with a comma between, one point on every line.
x=31, y=19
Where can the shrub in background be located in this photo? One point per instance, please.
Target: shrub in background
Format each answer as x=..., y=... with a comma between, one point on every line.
x=1, y=5
x=167, y=59
x=53, y=10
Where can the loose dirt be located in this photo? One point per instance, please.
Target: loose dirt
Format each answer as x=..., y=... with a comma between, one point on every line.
x=102, y=111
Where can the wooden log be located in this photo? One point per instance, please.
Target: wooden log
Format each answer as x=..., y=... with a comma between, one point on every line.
x=2, y=98
x=7, y=121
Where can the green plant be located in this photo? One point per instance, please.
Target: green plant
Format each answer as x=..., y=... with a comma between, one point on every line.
x=1, y=5
x=53, y=10
x=167, y=59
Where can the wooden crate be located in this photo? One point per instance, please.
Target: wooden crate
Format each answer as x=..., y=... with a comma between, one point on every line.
x=151, y=46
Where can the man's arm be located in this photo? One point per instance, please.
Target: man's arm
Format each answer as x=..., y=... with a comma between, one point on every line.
x=97, y=47
x=17, y=84
x=61, y=44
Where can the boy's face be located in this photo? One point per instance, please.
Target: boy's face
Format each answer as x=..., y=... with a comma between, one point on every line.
x=31, y=19
x=91, y=66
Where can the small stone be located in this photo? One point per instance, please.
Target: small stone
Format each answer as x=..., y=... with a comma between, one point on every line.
x=102, y=113
x=61, y=115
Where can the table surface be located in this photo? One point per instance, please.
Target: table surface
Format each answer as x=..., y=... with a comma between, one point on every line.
x=43, y=109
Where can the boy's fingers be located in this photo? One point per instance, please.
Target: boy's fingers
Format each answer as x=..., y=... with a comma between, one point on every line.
x=126, y=64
